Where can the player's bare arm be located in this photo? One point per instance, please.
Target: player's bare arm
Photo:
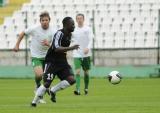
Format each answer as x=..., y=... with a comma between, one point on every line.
x=16, y=47
x=65, y=49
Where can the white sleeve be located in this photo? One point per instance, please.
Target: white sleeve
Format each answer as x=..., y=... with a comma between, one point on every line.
x=29, y=30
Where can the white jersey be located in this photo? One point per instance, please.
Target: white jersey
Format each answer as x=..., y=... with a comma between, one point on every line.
x=82, y=36
x=38, y=34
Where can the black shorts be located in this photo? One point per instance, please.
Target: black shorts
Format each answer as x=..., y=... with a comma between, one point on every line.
x=50, y=71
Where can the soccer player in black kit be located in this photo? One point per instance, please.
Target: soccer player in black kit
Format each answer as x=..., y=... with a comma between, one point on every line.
x=56, y=62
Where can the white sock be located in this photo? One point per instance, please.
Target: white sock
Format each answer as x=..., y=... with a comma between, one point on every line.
x=39, y=93
x=36, y=99
x=60, y=86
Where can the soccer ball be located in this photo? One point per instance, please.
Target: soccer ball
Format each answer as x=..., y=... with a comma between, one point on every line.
x=114, y=77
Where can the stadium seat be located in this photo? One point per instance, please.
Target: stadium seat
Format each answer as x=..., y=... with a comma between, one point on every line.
x=120, y=1
x=119, y=22
x=3, y=44
x=36, y=1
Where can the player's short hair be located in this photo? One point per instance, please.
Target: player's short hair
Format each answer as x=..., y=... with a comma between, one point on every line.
x=65, y=20
x=80, y=14
x=44, y=14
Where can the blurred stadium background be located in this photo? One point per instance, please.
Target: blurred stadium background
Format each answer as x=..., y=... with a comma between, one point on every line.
x=126, y=34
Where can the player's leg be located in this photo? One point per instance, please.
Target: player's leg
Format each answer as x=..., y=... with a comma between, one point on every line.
x=37, y=64
x=86, y=64
x=60, y=86
x=47, y=80
x=86, y=81
x=38, y=95
x=38, y=70
x=38, y=75
x=77, y=64
x=67, y=79
x=63, y=84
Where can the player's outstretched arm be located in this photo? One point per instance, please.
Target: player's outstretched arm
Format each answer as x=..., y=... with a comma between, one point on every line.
x=16, y=47
x=65, y=49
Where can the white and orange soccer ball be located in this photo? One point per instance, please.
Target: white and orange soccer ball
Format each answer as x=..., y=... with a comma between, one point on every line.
x=114, y=77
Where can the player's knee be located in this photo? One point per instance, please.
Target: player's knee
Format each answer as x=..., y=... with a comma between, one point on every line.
x=78, y=71
x=46, y=82
x=86, y=72
x=39, y=75
x=71, y=80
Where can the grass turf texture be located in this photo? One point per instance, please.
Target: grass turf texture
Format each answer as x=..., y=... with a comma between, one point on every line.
x=130, y=96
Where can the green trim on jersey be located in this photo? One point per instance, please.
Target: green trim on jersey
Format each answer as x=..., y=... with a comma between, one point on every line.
x=84, y=62
x=37, y=61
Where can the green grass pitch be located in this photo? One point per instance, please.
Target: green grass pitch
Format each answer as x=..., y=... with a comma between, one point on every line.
x=130, y=96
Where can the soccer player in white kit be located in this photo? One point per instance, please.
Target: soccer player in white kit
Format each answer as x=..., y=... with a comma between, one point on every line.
x=82, y=36
x=41, y=38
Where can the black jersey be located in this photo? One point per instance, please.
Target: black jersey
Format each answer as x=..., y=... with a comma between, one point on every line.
x=59, y=40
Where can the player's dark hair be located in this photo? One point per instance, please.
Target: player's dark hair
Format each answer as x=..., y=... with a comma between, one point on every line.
x=80, y=14
x=65, y=20
x=44, y=14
